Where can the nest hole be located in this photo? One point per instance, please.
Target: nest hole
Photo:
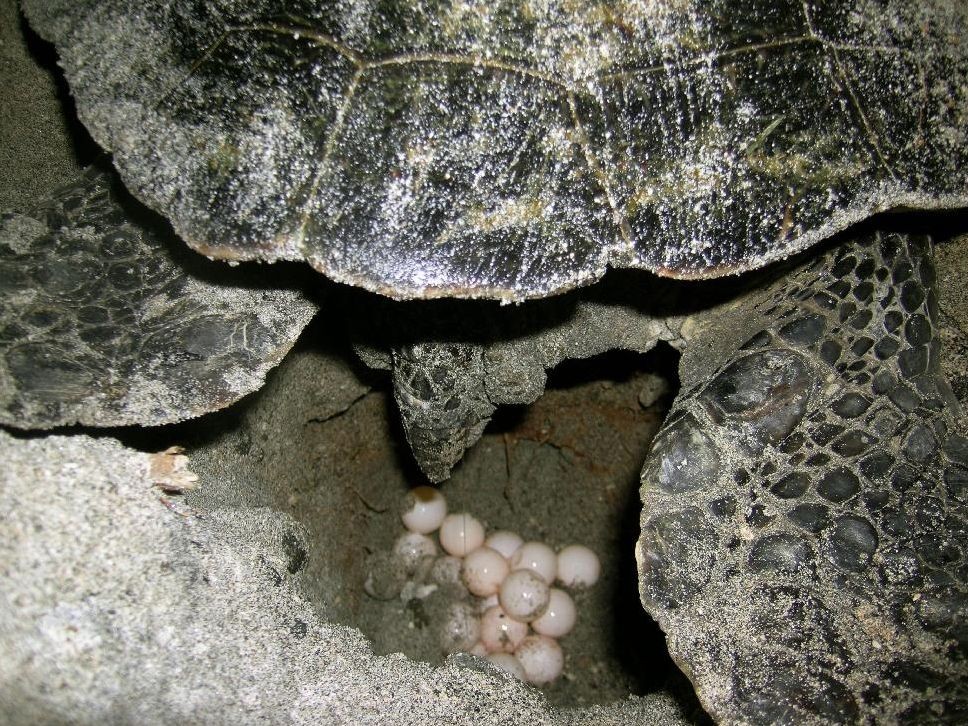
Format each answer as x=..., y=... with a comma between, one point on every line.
x=322, y=442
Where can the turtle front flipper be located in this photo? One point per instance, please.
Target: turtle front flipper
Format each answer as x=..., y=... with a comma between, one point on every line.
x=804, y=522
x=106, y=321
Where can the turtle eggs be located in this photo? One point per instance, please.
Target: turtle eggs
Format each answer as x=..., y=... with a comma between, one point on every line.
x=484, y=571
x=524, y=595
x=461, y=628
x=578, y=566
x=493, y=592
x=559, y=616
x=424, y=509
x=541, y=657
x=500, y=633
x=537, y=557
x=410, y=548
x=505, y=542
x=461, y=534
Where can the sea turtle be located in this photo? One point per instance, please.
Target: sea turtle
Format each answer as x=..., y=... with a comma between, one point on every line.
x=807, y=564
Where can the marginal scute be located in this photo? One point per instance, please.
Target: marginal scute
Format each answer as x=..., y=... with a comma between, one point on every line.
x=496, y=158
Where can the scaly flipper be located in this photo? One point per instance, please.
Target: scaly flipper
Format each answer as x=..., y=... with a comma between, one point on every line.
x=804, y=522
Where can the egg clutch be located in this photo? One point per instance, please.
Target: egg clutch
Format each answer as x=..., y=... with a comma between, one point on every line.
x=510, y=612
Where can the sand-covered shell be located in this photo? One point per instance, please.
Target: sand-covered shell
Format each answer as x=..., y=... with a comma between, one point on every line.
x=516, y=149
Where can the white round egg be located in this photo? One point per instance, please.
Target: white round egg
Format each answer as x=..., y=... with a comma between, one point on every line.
x=484, y=570
x=558, y=618
x=424, y=509
x=523, y=595
x=537, y=557
x=504, y=541
x=507, y=662
x=461, y=534
x=578, y=566
x=500, y=632
x=542, y=659
x=411, y=548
